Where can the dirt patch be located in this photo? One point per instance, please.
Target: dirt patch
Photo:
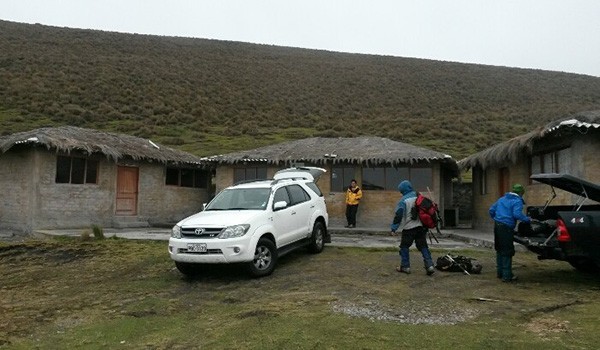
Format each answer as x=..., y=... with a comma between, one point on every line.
x=548, y=327
x=412, y=312
x=55, y=254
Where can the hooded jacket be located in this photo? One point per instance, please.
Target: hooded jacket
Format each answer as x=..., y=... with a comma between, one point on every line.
x=508, y=209
x=402, y=217
x=353, y=195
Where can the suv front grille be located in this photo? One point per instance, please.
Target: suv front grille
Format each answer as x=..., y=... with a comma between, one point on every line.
x=208, y=252
x=200, y=232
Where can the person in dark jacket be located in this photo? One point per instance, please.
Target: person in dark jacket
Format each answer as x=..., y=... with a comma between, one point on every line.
x=505, y=212
x=412, y=229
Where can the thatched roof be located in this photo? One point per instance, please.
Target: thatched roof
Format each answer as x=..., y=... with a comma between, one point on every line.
x=371, y=151
x=509, y=151
x=113, y=146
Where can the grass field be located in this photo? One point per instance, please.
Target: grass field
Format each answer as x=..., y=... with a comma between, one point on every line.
x=114, y=293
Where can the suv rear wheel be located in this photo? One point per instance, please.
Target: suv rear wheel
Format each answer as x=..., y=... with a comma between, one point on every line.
x=317, y=239
x=265, y=258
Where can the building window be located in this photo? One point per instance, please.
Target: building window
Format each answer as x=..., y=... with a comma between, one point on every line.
x=550, y=162
x=380, y=178
x=249, y=173
x=483, y=186
x=74, y=170
x=341, y=177
x=187, y=177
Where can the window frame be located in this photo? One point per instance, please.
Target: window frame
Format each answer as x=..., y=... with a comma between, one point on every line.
x=483, y=182
x=344, y=182
x=256, y=169
x=542, y=158
x=195, y=183
x=388, y=186
x=85, y=172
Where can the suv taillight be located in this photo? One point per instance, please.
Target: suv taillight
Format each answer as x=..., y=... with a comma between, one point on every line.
x=563, y=233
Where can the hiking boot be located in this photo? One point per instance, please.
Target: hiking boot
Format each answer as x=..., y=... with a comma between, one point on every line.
x=405, y=270
x=351, y=226
x=430, y=270
x=512, y=279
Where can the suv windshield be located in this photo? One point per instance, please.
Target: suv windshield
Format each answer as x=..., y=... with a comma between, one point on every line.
x=241, y=199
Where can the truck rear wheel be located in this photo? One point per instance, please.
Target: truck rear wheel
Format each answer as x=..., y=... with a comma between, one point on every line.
x=584, y=265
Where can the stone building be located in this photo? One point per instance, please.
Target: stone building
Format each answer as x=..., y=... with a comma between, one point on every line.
x=69, y=177
x=568, y=145
x=378, y=165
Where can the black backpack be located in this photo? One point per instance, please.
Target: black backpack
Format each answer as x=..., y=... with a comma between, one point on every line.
x=457, y=263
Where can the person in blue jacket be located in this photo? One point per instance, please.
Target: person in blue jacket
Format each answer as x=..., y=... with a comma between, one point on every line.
x=413, y=230
x=505, y=212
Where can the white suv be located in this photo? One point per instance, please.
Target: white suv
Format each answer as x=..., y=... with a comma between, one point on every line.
x=254, y=223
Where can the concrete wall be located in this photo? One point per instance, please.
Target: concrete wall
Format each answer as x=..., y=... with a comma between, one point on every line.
x=17, y=171
x=376, y=208
x=583, y=154
x=32, y=200
x=160, y=204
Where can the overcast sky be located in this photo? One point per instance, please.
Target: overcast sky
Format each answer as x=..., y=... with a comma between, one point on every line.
x=559, y=35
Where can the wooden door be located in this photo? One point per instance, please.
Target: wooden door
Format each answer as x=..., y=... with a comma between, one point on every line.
x=127, y=190
x=503, y=181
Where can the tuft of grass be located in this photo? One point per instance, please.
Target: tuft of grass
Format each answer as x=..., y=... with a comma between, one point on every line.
x=98, y=232
x=86, y=235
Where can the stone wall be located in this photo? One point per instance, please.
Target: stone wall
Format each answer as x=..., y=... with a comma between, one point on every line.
x=162, y=205
x=583, y=154
x=463, y=200
x=63, y=205
x=376, y=208
x=16, y=189
x=31, y=199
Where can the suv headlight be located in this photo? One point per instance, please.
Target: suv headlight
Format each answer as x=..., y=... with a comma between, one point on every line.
x=234, y=231
x=176, y=233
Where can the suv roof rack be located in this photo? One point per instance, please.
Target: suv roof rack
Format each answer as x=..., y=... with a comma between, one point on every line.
x=290, y=179
x=248, y=181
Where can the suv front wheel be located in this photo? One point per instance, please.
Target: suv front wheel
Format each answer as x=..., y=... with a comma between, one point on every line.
x=188, y=269
x=265, y=258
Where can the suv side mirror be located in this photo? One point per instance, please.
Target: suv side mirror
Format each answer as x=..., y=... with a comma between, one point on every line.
x=280, y=205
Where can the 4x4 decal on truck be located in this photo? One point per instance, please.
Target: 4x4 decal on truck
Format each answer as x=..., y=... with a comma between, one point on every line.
x=577, y=220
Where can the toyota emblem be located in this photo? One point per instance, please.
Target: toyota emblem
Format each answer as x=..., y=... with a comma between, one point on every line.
x=199, y=231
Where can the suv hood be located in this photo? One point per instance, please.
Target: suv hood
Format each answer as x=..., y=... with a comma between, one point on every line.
x=217, y=218
x=571, y=184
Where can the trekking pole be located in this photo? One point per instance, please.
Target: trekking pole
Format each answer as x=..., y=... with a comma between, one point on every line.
x=434, y=237
x=459, y=265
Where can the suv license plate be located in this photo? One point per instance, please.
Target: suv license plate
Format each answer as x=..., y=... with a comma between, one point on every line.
x=196, y=247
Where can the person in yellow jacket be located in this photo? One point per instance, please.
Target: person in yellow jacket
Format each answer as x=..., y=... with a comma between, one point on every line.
x=353, y=196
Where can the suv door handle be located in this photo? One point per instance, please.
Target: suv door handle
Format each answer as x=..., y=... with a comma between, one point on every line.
x=293, y=213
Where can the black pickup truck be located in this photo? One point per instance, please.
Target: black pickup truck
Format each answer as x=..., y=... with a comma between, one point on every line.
x=569, y=233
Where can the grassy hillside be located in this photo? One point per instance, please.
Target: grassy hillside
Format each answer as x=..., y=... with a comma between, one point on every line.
x=209, y=97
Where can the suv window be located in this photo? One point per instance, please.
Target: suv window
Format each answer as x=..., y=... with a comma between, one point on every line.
x=297, y=194
x=281, y=195
x=313, y=186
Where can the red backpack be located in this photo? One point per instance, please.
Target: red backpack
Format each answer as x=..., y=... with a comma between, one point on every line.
x=428, y=211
